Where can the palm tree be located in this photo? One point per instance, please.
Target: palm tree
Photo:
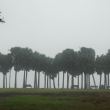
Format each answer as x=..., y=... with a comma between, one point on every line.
x=34, y=66
x=108, y=64
x=68, y=60
x=99, y=67
x=87, y=62
x=5, y=66
x=25, y=58
x=16, y=61
x=42, y=63
x=58, y=66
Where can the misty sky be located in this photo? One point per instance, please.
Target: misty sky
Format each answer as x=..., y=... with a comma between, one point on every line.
x=50, y=26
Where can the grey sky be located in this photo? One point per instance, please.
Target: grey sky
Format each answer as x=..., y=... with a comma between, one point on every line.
x=50, y=26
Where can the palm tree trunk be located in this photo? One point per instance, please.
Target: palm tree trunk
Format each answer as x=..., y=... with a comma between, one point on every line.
x=108, y=80
x=58, y=80
x=15, y=79
x=38, y=79
x=35, y=80
x=100, y=80
x=54, y=83
x=63, y=81
x=26, y=77
x=94, y=80
x=82, y=81
x=71, y=80
x=78, y=81
x=85, y=81
x=3, y=80
x=24, y=86
x=104, y=80
x=88, y=81
x=67, y=80
x=6, y=80
x=9, y=78
x=47, y=81
x=50, y=82
x=44, y=80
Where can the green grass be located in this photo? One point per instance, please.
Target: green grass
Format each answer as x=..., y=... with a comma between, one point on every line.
x=53, y=90
x=38, y=102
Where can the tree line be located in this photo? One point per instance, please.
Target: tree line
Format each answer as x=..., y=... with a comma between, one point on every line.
x=74, y=63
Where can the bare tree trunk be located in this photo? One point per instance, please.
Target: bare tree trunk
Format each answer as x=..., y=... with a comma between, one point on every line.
x=71, y=80
x=67, y=80
x=9, y=78
x=3, y=80
x=104, y=80
x=78, y=81
x=108, y=80
x=44, y=79
x=94, y=80
x=63, y=81
x=47, y=81
x=24, y=80
x=58, y=80
x=88, y=81
x=38, y=79
x=85, y=81
x=35, y=79
x=15, y=79
x=54, y=83
x=82, y=81
x=26, y=77
x=50, y=82
x=6, y=80
x=100, y=80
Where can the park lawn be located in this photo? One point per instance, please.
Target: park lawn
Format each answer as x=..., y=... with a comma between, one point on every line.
x=51, y=90
x=54, y=102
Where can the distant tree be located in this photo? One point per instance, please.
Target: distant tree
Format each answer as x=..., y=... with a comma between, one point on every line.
x=25, y=55
x=15, y=53
x=5, y=66
x=87, y=62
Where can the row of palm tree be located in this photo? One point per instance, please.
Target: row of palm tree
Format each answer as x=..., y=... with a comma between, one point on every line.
x=74, y=63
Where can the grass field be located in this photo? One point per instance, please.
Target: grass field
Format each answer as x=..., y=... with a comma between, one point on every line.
x=54, y=99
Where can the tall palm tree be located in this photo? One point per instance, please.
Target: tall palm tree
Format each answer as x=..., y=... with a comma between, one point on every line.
x=99, y=67
x=5, y=66
x=15, y=53
x=26, y=55
x=34, y=66
x=87, y=62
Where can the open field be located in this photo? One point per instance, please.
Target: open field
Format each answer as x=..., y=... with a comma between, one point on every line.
x=54, y=99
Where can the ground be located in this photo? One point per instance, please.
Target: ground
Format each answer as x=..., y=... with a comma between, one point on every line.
x=34, y=99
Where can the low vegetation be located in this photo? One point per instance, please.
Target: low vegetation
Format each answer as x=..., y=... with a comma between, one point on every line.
x=54, y=99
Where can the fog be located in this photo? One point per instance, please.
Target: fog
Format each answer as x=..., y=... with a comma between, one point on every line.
x=50, y=26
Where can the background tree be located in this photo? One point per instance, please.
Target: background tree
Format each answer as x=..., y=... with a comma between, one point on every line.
x=15, y=53
x=5, y=66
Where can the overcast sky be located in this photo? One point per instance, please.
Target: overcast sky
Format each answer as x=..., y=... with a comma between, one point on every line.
x=50, y=26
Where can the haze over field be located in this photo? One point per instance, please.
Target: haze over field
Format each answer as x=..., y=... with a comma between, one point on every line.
x=50, y=26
